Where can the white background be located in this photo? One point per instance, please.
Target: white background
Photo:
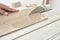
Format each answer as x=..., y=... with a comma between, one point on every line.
x=54, y=3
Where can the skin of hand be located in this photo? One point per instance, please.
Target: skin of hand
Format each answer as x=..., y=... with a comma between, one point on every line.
x=3, y=9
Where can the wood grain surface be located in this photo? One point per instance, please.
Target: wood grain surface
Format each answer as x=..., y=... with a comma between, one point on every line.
x=19, y=20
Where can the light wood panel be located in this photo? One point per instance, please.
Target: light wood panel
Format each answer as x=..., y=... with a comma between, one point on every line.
x=19, y=20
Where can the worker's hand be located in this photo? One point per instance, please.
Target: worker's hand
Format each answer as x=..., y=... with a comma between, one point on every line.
x=4, y=9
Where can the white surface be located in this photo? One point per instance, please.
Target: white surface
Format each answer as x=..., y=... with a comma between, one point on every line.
x=55, y=36
x=56, y=4
x=43, y=33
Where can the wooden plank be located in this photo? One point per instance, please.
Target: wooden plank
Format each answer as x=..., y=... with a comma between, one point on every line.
x=19, y=20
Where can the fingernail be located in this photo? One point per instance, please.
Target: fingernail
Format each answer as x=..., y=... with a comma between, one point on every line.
x=6, y=14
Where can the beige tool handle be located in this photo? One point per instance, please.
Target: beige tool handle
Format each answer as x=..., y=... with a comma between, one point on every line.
x=48, y=2
x=45, y=2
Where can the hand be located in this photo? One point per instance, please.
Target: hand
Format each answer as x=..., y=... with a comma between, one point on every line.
x=3, y=9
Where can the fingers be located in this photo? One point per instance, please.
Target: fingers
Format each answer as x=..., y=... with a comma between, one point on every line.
x=7, y=8
x=4, y=9
x=3, y=12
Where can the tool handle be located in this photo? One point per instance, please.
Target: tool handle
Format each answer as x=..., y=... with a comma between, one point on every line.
x=45, y=2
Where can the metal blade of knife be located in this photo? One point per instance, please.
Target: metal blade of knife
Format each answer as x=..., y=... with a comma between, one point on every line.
x=38, y=9
x=41, y=9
